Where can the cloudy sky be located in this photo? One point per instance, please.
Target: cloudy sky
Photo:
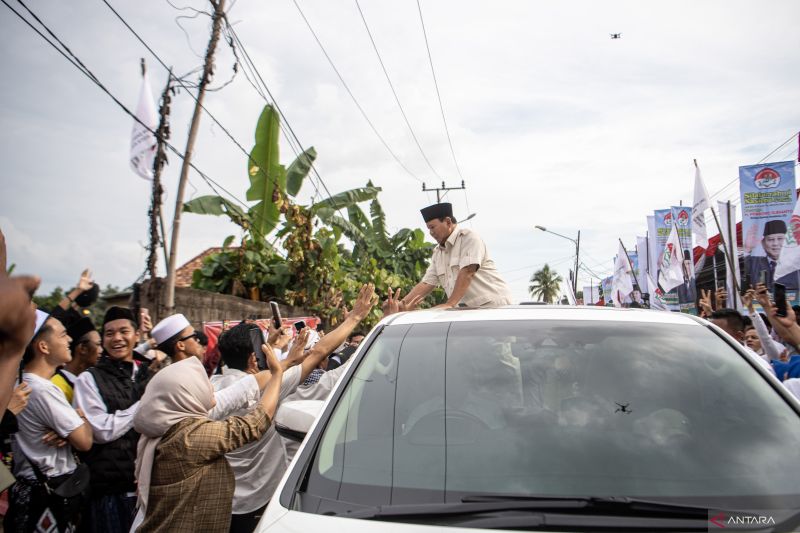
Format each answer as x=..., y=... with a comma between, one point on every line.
x=552, y=122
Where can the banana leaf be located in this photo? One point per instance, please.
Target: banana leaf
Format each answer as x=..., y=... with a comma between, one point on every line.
x=266, y=173
x=216, y=205
x=346, y=198
x=298, y=171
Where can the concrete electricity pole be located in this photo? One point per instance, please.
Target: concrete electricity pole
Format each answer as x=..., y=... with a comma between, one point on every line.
x=208, y=71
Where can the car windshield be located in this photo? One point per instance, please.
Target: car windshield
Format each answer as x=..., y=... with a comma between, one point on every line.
x=557, y=408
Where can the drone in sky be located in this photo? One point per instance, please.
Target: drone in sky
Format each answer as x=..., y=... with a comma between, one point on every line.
x=616, y=35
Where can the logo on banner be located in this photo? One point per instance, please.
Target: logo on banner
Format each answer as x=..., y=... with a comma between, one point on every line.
x=668, y=219
x=666, y=256
x=793, y=235
x=766, y=178
x=683, y=218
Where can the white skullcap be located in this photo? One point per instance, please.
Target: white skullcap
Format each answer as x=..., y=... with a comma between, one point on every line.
x=169, y=327
x=41, y=318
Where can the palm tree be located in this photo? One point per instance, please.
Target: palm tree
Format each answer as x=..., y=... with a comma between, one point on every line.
x=545, y=284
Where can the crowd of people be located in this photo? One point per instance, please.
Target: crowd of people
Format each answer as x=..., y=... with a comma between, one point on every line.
x=121, y=428
x=126, y=427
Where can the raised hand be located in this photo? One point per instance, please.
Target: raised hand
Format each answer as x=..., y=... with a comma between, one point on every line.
x=364, y=303
x=751, y=239
x=721, y=297
x=273, y=363
x=747, y=299
x=762, y=296
x=86, y=281
x=705, y=302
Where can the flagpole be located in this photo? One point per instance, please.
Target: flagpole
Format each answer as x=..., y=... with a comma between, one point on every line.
x=725, y=249
x=631, y=264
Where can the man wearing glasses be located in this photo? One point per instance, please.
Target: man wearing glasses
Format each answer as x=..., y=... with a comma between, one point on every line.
x=177, y=338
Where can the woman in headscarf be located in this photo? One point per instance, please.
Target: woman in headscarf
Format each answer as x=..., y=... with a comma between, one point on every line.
x=184, y=481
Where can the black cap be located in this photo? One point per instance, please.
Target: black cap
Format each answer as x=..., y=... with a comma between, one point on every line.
x=78, y=329
x=437, y=211
x=119, y=313
x=774, y=226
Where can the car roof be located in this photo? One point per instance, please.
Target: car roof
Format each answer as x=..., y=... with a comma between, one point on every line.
x=541, y=312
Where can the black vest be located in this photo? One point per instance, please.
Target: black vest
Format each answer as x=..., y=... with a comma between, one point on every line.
x=112, y=464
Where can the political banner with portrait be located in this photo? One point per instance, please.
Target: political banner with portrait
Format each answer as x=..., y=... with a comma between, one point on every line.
x=687, y=291
x=768, y=194
x=663, y=225
x=606, y=285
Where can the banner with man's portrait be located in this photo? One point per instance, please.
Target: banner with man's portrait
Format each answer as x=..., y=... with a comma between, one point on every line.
x=663, y=225
x=687, y=291
x=768, y=193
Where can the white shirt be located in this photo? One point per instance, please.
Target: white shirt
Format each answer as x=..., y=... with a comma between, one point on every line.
x=47, y=410
x=464, y=248
x=259, y=466
x=106, y=427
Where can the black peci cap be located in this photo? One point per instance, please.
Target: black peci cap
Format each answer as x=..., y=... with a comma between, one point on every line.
x=774, y=226
x=437, y=211
x=119, y=313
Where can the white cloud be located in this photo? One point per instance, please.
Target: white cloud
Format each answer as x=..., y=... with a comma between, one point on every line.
x=552, y=121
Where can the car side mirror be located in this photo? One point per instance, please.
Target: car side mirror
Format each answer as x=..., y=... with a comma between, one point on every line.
x=293, y=419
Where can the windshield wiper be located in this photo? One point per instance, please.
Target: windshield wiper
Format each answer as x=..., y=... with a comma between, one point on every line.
x=485, y=503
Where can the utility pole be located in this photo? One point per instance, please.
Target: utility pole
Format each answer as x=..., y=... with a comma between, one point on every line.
x=208, y=71
x=577, y=258
x=442, y=188
x=155, y=214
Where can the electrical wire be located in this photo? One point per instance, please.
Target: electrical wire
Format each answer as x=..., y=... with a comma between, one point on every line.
x=77, y=63
x=438, y=94
x=352, y=96
x=394, y=92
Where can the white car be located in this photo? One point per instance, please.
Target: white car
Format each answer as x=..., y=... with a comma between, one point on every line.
x=546, y=419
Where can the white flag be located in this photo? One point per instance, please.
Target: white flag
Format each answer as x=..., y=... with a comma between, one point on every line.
x=571, y=299
x=701, y=203
x=789, y=260
x=143, y=143
x=622, y=283
x=670, y=269
x=656, y=296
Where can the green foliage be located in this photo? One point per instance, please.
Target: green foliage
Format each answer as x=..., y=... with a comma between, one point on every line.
x=545, y=284
x=320, y=273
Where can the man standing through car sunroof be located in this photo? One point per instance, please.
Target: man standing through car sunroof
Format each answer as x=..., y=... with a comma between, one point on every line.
x=460, y=265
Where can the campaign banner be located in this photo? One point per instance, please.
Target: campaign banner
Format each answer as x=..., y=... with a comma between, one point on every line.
x=606, y=285
x=768, y=194
x=663, y=225
x=687, y=291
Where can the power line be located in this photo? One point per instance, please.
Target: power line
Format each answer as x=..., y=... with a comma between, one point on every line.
x=438, y=94
x=213, y=118
x=285, y=125
x=77, y=63
x=352, y=96
x=736, y=179
x=394, y=92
